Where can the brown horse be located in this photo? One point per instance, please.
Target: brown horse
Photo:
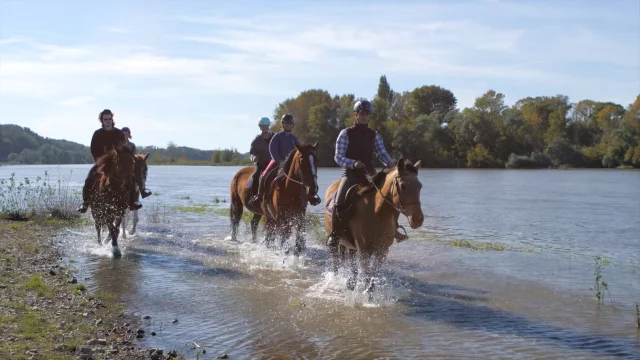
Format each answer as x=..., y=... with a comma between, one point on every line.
x=285, y=206
x=372, y=228
x=140, y=173
x=109, y=201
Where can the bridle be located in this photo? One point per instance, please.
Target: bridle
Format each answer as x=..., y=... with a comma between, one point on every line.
x=400, y=209
x=300, y=174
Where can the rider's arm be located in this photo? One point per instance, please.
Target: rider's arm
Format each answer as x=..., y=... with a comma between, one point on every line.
x=381, y=151
x=95, y=146
x=252, y=150
x=341, y=149
x=273, y=148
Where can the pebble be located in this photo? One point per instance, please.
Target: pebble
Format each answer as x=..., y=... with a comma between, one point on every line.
x=147, y=317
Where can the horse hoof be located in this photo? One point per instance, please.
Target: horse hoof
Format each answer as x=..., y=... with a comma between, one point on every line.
x=116, y=252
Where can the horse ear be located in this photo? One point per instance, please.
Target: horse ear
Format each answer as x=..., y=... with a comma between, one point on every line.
x=400, y=165
x=146, y=156
x=297, y=146
x=417, y=164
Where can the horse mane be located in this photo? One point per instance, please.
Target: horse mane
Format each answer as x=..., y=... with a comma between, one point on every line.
x=107, y=164
x=286, y=164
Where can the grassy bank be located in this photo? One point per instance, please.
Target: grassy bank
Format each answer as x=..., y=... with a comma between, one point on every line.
x=45, y=312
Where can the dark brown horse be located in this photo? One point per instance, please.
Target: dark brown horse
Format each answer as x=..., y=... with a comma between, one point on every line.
x=372, y=227
x=109, y=201
x=285, y=202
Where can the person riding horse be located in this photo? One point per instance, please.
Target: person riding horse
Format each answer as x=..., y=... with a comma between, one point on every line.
x=145, y=192
x=282, y=143
x=260, y=156
x=354, y=152
x=107, y=135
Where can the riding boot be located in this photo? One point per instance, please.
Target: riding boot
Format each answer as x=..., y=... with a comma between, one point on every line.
x=338, y=219
x=255, y=200
x=144, y=192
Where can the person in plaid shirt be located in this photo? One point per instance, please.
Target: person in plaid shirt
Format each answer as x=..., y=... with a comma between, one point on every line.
x=355, y=148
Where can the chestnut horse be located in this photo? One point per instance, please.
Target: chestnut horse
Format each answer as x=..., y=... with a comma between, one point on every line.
x=284, y=203
x=372, y=228
x=109, y=201
x=140, y=173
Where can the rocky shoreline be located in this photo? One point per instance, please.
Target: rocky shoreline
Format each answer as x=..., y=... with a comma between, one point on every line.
x=45, y=313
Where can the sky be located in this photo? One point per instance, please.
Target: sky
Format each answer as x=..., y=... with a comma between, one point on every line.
x=202, y=73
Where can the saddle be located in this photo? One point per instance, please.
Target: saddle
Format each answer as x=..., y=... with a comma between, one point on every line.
x=354, y=192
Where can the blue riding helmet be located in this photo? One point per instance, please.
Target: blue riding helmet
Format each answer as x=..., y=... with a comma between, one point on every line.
x=264, y=121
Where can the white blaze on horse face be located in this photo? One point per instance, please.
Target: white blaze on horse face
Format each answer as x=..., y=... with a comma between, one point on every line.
x=313, y=166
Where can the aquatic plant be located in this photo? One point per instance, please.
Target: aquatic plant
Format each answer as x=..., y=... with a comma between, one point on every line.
x=22, y=200
x=600, y=285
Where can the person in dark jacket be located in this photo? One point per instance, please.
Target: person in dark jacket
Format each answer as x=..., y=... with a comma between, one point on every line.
x=145, y=192
x=355, y=148
x=260, y=156
x=107, y=135
x=280, y=146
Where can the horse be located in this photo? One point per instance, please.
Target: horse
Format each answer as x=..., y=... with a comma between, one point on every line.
x=286, y=205
x=240, y=195
x=140, y=172
x=372, y=228
x=109, y=201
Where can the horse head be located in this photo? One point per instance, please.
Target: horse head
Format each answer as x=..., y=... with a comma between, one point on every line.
x=305, y=160
x=117, y=165
x=406, y=191
x=141, y=169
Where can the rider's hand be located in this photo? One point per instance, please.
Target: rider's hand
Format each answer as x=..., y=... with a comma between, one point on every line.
x=358, y=165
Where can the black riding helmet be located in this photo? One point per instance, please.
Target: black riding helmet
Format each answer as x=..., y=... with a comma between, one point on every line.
x=363, y=105
x=287, y=119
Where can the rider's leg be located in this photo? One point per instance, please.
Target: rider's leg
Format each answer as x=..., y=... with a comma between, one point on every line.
x=338, y=219
x=255, y=178
x=87, y=189
x=257, y=197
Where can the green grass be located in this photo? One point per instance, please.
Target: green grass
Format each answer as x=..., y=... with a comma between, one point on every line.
x=481, y=245
x=36, y=283
x=200, y=209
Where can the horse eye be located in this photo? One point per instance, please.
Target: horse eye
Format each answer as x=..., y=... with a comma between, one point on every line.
x=402, y=187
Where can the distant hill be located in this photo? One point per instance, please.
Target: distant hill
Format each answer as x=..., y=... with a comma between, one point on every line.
x=20, y=145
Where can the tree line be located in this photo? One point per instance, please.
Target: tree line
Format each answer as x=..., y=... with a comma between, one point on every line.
x=536, y=132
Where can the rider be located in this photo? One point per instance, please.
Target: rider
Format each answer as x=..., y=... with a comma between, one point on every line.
x=280, y=146
x=127, y=135
x=260, y=156
x=107, y=135
x=354, y=153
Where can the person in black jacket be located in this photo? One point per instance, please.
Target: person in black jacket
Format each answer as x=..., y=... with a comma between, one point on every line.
x=107, y=135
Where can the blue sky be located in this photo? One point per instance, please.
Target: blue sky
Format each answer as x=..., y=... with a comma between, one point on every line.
x=202, y=73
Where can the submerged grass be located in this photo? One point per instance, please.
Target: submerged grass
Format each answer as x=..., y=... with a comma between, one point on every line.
x=480, y=245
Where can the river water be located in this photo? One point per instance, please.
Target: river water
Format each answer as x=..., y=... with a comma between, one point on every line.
x=521, y=287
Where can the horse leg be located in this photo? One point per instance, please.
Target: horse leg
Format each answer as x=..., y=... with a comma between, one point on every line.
x=269, y=232
x=300, y=240
x=235, y=213
x=114, y=231
x=124, y=224
x=98, y=230
x=335, y=259
x=135, y=222
x=255, y=221
x=353, y=261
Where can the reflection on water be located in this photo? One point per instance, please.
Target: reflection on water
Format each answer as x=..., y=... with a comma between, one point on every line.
x=437, y=300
